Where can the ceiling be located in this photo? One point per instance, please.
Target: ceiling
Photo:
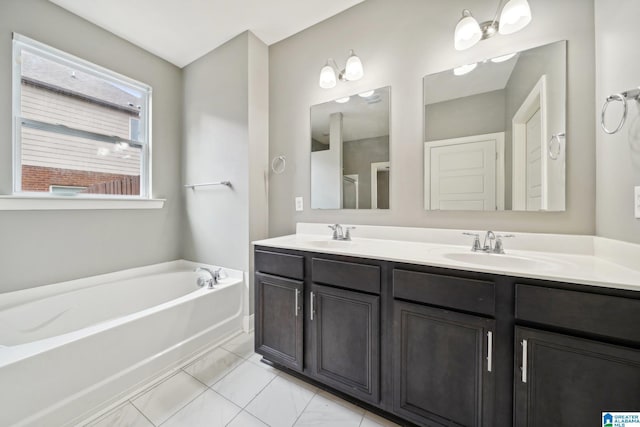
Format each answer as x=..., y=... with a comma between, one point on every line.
x=488, y=76
x=181, y=31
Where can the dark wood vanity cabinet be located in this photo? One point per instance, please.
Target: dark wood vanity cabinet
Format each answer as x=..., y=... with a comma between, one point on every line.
x=577, y=357
x=442, y=366
x=443, y=358
x=441, y=347
x=567, y=381
x=346, y=341
x=279, y=293
x=279, y=328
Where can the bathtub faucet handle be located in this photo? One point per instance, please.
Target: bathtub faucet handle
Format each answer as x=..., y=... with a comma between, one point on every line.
x=213, y=280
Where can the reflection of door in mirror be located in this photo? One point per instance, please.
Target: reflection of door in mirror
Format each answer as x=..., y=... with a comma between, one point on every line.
x=465, y=173
x=380, y=185
x=521, y=95
x=530, y=172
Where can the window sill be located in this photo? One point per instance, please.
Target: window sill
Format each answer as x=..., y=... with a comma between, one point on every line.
x=34, y=203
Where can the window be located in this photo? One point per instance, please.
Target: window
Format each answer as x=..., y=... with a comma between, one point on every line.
x=79, y=129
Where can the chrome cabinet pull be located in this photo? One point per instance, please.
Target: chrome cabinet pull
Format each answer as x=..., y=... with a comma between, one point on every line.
x=489, y=351
x=524, y=361
x=312, y=296
x=297, y=309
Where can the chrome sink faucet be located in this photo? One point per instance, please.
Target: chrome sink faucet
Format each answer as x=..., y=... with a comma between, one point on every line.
x=212, y=280
x=495, y=245
x=341, y=233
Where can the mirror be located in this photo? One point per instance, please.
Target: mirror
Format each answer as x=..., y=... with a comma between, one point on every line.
x=350, y=166
x=494, y=133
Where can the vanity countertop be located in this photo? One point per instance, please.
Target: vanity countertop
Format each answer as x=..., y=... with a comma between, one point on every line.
x=584, y=260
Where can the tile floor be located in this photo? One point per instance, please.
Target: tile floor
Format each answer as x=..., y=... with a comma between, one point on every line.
x=229, y=386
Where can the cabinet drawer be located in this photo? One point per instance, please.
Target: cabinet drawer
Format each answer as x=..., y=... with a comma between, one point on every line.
x=604, y=315
x=279, y=264
x=349, y=275
x=476, y=296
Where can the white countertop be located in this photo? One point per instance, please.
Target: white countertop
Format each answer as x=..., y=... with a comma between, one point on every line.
x=584, y=260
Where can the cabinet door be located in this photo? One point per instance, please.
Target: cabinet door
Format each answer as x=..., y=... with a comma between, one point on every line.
x=279, y=320
x=346, y=334
x=566, y=381
x=443, y=363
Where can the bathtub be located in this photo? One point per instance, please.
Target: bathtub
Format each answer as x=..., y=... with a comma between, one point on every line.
x=69, y=349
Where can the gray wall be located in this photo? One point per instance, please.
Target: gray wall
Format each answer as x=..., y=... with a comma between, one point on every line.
x=618, y=156
x=357, y=157
x=399, y=43
x=43, y=247
x=225, y=138
x=472, y=115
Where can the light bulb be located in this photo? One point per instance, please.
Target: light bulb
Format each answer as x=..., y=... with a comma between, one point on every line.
x=468, y=32
x=327, y=76
x=343, y=100
x=516, y=15
x=465, y=69
x=353, y=70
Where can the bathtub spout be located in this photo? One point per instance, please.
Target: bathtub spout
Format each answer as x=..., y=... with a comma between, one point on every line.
x=211, y=281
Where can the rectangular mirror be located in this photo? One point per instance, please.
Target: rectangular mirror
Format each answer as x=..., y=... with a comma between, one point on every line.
x=350, y=166
x=494, y=133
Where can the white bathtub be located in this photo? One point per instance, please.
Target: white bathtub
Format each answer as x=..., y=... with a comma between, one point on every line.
x=69, y=349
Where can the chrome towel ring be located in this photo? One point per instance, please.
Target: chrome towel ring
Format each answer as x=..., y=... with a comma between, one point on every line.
x=555, y=146
x=622, y=97
x=279, y=164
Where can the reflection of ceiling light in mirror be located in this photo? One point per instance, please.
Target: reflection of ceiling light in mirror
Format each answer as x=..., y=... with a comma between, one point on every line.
x=503, y=58
x=465, y=69
x=343, y=100
x=366, y=94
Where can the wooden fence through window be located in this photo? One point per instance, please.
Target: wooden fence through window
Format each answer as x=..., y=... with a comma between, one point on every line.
x=129, y=186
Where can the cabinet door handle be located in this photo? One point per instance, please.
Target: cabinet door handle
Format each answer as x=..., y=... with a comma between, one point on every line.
x=524, y=361
x=297, y=308
x=311, y=303
x=489, y=351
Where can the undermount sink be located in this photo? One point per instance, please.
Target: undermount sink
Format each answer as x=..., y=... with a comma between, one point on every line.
x=330, y=243
x=498, y=260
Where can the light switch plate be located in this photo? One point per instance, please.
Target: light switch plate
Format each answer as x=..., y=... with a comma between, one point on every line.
x=636, y=201
x=299, y=204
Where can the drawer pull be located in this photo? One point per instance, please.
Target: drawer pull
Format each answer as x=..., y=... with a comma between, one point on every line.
x=297, y=308
x=311, y=302
x=489, y=351
x=524, y=361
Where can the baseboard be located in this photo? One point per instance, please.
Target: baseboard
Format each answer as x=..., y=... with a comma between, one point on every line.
x=247, y=323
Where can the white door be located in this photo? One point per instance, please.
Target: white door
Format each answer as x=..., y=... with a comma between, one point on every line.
x=463, y=176
x=529, y=126
x=534, y=162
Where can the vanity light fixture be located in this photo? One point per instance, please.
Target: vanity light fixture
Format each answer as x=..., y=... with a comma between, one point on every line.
x=515, y=15
x=366, y=94
x=353, y=70
x=343, y=100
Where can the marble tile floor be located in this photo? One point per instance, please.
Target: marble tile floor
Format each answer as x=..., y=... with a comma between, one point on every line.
x=229, y=386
